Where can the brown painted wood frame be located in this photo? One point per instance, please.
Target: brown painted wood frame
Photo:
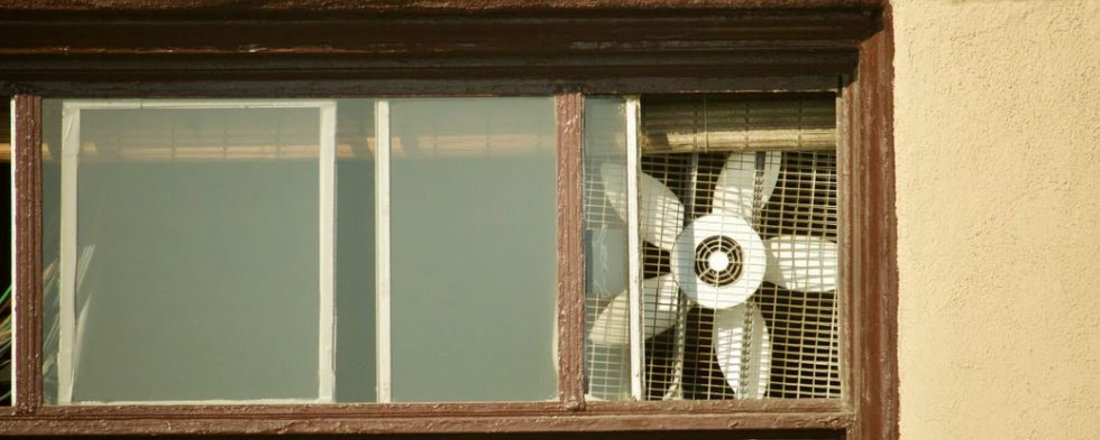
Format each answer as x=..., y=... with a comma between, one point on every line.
x=219, y=48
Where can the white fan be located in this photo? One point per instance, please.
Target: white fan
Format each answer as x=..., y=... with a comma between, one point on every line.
x=718, y=261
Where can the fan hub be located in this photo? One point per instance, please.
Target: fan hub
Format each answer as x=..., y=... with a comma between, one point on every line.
x=719, y=260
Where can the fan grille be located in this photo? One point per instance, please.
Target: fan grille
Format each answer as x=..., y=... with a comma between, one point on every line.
x=682, y=360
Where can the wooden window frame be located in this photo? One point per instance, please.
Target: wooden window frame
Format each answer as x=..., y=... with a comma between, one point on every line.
x=321, y=49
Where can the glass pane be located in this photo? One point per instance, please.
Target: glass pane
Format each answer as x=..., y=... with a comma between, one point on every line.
x=196, y=272
x=473, y=249
x=51, y=244
x=607, y=347
x=355, y=252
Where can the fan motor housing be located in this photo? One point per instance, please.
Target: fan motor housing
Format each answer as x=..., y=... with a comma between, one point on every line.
x=719, y=260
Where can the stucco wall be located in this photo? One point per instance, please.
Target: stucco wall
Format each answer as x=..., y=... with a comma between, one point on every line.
x=998, y=162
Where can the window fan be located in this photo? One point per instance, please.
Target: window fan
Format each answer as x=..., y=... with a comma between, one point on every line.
x=718, y=260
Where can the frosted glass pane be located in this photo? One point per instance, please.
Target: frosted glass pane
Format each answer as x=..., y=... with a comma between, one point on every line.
x=474, y=249
x=198, y=255
x=355, y=252
x=51, y=247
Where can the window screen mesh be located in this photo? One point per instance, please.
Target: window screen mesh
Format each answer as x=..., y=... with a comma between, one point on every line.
x=738, y=215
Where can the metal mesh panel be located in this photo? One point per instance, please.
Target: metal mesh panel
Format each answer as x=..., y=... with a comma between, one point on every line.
x=739, y=256
x=804, y=325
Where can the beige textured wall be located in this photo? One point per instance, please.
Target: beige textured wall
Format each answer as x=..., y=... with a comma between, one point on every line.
x=998, y=162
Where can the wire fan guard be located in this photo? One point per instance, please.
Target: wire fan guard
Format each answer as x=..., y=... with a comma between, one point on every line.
x=738, y=231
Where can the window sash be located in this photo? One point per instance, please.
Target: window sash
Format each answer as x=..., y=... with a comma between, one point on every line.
x=70, y=149
x=71, y=146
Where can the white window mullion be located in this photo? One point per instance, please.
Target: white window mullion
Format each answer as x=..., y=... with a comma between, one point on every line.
x=382, y=248
x=70, y=150
x=634, y=246
x=327, y=155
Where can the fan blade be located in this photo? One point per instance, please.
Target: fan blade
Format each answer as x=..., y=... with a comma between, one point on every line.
x=662, y=214
x=736, y=189
x=739, y=360
x=802, y=263
x=659, y=299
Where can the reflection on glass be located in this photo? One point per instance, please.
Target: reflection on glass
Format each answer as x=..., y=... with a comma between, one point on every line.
x=355, y=250
x=607, y=349
x=473, y=249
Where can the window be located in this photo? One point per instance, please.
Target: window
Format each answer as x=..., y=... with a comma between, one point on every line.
x=192, y=254
x=192, y=250
x=683, y=227
x=192, y=262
